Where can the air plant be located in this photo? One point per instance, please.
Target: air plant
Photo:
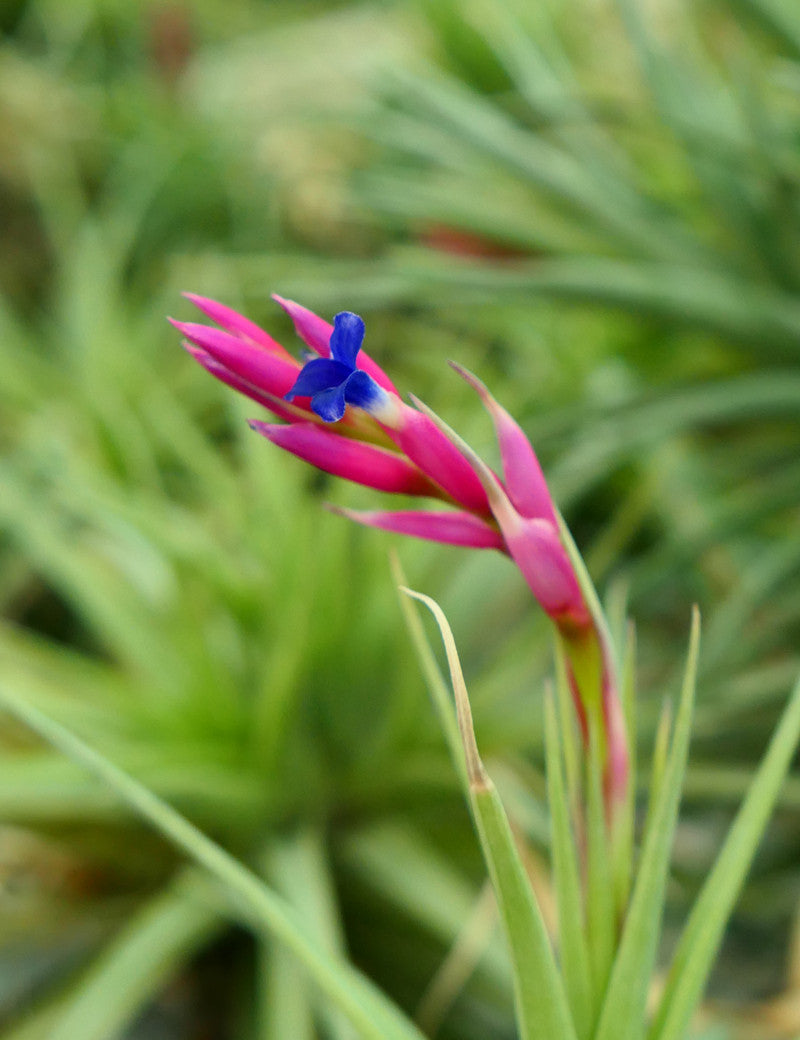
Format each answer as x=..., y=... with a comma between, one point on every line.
x=592, y=977
x=342, y=413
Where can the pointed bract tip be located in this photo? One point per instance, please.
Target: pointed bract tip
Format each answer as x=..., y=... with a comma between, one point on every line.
x=523, y=478
x=445, y=527
x=191, y=328
x=266, y=429
x=204, y=303
x=470, y=378
x=287, y=305
x=476, y=774
x=198, y=353
x=186, y=328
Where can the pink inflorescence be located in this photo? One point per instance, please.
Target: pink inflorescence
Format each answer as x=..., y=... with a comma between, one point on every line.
x=342, y=414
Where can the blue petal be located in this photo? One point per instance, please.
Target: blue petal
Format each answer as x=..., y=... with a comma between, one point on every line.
x=346, y=338
x=329, y=404
x=319, y=374
x=362, y=391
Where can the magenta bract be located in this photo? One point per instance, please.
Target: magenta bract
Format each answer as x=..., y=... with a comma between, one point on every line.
x=450, y=528
x=395, y=447
x=353, y=424
x=354, y=460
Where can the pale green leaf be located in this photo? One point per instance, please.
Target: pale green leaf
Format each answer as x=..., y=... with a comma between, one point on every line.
x=571, y=930
x=140, y=960
x=375, y=1017
x=700, y=940
x=542, y=1007
x=623, y=1013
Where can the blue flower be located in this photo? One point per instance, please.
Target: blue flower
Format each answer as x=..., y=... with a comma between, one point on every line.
x=334, y=382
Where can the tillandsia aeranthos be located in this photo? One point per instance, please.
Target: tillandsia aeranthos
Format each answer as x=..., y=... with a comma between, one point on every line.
x=340, y=412
x=343, y=414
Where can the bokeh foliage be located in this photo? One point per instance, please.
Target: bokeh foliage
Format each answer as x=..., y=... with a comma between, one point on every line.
x=595, y=208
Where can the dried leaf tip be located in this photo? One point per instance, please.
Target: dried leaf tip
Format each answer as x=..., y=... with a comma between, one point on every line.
x=476, y=774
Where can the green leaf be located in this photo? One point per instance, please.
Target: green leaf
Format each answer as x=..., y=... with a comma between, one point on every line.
x=623, y=1013
x=571, y=740
x=423, y=885
x=571, y=930
x=437, y=687
x=370, y=1011
x=700, y=940
x=452, y=975
x=622, y=839
x=623, y=216
x=542, y=1007
x=762, y=317
x=600, y=874
x=299, y=870
x=541, y=999
x=600, y=917
x=282, y=999
x=781, y=18
x=140, y=960
x=659, y=757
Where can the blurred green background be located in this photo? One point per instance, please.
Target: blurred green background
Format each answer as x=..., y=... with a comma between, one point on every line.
x=595, y=205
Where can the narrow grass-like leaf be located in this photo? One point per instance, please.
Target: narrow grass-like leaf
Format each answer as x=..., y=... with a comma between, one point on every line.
x=283, y=1005
x=696, y=295
x=622, y=839
x=140, y=960
x=698, y=945
x=574, y=953
x=623, y=1013
x=542, y=1002
x=548, y=167
x=36, y=1025
x=77, y=571
x=571, y=744
x=299, y=870
x=461, y=961
x=424, y=886
x=601, y=921
x=781, y=18
x=475, y=773
x=660, y=755
x=542, y=1007
x=436, y=684
x=600, y=918
x=370, y=1011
